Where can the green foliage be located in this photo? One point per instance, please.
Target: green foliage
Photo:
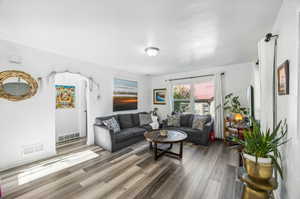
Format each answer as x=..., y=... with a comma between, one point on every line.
x=265, y=144
x=182, y=92
x=233, y=105
x=181, y=106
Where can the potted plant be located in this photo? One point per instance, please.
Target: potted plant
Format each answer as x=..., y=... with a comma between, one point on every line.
x=233, y=106
x=261, y=150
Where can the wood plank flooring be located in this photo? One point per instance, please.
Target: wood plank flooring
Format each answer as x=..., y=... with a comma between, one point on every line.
x=131, y=173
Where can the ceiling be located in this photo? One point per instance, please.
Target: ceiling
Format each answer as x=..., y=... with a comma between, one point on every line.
x=192, y=34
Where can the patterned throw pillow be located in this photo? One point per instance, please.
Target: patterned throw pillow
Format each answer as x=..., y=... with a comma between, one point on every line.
x=145, y=119
x=198, y=122
x=173, y=120
x=112, y=124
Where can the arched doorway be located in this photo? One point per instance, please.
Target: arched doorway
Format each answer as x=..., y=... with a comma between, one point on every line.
x=71, y=109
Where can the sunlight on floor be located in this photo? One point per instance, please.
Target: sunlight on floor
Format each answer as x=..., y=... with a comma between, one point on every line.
x=54, y=165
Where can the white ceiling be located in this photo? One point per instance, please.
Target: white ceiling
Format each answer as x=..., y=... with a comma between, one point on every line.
x=113, y=33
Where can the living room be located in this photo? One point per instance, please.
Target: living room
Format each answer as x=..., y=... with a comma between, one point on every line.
x=139, y=53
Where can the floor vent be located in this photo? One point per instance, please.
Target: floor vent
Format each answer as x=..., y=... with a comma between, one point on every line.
x=31, y=149
x=68, y=137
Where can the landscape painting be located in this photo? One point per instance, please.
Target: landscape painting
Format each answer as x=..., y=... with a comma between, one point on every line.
x=65, y=96
x=159, y=96
x=125, y=96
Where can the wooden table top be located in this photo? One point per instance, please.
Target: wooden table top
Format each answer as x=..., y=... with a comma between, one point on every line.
x=172, y=137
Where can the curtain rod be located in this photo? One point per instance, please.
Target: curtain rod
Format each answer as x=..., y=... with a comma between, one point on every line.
x=193, y=77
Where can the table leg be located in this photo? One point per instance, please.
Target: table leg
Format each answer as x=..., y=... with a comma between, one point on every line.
x=150, y=146
x=155, y=151
x=181, y=149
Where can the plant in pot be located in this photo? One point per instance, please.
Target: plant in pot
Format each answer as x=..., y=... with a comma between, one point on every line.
x=261, y=153
x=233, y=106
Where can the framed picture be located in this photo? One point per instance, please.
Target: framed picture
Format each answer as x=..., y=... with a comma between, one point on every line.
x=65, y=96
x=159, y=96
x=283, y=78
x=125, y=96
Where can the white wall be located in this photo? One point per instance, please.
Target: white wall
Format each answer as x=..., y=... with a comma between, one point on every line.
x=236, y=80
x=33, y=121
x=287, y=25
x=72, y=120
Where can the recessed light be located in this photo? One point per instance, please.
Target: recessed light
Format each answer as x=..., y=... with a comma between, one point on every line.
x=152, y=51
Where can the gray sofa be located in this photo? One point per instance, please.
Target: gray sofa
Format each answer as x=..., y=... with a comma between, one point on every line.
x=196, y=136
x=131, y=132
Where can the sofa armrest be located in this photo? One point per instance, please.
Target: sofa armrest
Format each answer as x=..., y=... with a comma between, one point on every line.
x=104, y=137
x=209, y=126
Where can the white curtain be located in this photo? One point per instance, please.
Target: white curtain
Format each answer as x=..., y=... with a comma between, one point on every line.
x=219, y=115
x=170, y=97
x=266, y=61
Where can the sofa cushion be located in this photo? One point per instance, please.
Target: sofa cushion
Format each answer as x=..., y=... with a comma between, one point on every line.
x=136, y=119
x=198, y=122
x=125, y=121
x=147, y=127
x=129, y=133
x=185, y=120
x=145, y=119
x=112, y=124
x=189, y=130
x=99, y=120
x=206, y=118
x=191, y=121
x=173, y=120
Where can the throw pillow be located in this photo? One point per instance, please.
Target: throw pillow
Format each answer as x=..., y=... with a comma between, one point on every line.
x=125, y=121
x=184, y=120
x=173, y=120
x=198, y=122
x=136, y=119
x=145, y=119
x=112, y=124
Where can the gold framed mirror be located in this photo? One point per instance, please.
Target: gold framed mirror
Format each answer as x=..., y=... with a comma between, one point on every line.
x=17, y=85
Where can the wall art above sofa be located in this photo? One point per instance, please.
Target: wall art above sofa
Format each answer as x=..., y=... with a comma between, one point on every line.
x=125, y=96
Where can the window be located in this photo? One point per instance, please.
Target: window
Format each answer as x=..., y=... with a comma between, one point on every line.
x=203, y=97
x=195, y=97
x=182, y=98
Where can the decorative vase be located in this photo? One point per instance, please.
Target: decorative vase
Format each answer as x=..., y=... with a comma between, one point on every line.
x=262, y=170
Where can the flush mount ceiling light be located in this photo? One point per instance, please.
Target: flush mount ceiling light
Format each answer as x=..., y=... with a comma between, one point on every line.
x=152, y=51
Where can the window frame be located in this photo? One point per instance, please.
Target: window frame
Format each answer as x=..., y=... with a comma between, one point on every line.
x=192, y=100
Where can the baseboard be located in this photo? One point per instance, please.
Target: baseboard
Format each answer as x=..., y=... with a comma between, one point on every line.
x=26, y=161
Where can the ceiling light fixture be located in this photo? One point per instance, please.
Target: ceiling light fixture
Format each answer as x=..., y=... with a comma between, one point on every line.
x=152, y=51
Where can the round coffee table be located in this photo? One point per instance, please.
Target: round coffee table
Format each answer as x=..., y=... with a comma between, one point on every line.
x=173, y=136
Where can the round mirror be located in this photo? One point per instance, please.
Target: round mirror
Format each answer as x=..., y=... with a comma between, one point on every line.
x=17, y=85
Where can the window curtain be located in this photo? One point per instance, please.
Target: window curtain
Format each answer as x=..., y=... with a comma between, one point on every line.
x=219, y=115
x=170, y=96
x=266, y=61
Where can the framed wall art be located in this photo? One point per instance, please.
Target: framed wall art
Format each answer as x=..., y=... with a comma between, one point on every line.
x=159, y=96
x=283, y=78
x=125, y=95
x=65, y=96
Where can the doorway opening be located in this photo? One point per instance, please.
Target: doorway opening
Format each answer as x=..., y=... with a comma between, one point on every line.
x=71, y=108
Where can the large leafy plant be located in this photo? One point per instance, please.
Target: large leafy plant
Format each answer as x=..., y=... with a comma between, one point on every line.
x=265, y=144
x=233, y=105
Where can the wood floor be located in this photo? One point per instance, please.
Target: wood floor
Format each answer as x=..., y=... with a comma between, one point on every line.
x=204, y=173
